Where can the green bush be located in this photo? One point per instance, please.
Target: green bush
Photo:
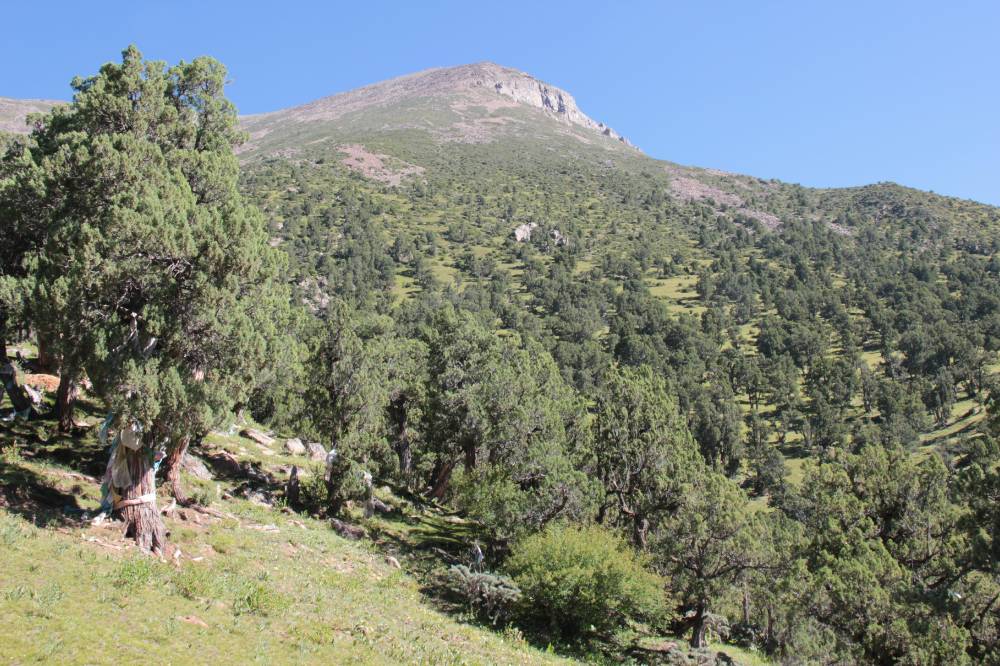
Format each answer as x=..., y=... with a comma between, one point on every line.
x=578, y=579
x=347, y=482
x=487, y=595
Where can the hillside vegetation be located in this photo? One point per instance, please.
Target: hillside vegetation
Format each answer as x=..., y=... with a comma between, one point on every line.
x=593, y=401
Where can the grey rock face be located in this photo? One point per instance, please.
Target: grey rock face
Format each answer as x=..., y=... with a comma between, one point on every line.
x=257, y=436
x=295, y=446
x=316, y=451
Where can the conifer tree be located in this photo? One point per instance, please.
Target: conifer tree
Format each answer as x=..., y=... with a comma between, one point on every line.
x=151, y=274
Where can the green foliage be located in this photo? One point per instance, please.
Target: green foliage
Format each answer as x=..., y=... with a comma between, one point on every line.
x=504, y=411
x=256, y=597
x=488, y=595
x=581, y=579
x=707, y=545
x=149, y=272
x=662, y=325
x=137, y=572
x=643, y=453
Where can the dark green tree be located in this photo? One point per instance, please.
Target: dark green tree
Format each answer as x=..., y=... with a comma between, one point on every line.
x=154, y=277
x=644, y=454
x=709, y=543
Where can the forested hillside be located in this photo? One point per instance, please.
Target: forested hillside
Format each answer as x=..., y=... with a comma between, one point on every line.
x=661, y=402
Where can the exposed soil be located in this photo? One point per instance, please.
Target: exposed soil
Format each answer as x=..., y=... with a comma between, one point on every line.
x=376, y=166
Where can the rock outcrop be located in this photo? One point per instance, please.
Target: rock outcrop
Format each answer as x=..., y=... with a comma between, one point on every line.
x=526, y=89
x=317, y=452
x=295, y=446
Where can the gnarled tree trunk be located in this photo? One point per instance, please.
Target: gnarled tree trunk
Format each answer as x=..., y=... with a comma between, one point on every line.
x=17, y=395
x=173, y=464
x=66, y=400
x=404, y=451
x=136, y=504
x=440, y=477
x=699, y=627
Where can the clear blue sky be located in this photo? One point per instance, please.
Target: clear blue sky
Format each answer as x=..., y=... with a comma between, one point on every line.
x=824, y=94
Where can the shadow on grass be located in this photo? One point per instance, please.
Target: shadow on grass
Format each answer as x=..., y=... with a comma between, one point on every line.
x=30, y=495
x=40, y=440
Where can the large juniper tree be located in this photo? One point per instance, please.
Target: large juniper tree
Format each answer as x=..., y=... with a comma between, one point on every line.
x=154, y=277
x=644, y=454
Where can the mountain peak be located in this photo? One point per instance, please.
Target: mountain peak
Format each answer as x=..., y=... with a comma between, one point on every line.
x=467, y=103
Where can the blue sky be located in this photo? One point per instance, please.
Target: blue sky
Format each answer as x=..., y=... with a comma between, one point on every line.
x=824, y=94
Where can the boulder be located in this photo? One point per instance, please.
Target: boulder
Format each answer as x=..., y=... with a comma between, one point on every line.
x=257, y=436
x=195, y=466
x=295, y=446
x=522, y=232
x=317, y=452
x=347, y=530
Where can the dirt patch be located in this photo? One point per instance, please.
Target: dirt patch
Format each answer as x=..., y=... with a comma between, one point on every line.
x=690, y=189
x=687, y=188
x=769, y=220
x=381, y=168
x=44, y=382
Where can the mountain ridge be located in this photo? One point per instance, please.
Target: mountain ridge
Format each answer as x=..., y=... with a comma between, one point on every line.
x=485, y=102
x=492, y=85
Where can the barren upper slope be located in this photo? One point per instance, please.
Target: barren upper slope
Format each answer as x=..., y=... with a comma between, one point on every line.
x=14, y=112
x=476, y=103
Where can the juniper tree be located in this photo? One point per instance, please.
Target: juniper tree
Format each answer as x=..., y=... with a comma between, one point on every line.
x=153, y=276
x=644, y=454
x=707, y=545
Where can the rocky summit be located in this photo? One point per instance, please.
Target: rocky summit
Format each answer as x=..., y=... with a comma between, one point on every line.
x=476, y=103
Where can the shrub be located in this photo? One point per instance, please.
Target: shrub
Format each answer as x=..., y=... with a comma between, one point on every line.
x=577, y=579
x=487, y=595
x=254, y=596
x=347, y=482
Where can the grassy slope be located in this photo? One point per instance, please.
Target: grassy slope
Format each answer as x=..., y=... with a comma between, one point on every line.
x=289, y=595
x=251, y=583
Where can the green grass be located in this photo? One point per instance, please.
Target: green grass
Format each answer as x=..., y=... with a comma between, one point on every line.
x=251, y=583
x=287, y=596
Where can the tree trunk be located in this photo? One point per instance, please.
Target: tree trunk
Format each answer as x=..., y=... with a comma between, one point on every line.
x=404, y=451
x=173, y=463
x=18, y=398
x=45, y=361
x=469, y=448
x=66, y=400
x=136, y=505
x=640, y=528
x=3, y=339
x=698, y=628
x=746, y=605
x=293, y=488
x=440, y=478
x=405, y=454
x=770, y=640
